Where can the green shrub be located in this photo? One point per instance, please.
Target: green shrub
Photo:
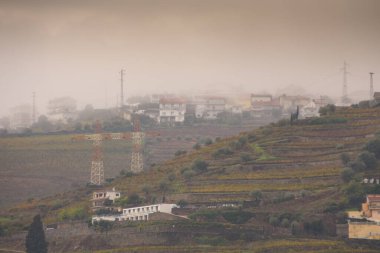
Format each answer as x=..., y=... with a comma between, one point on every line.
x=72, y=213
x=273, y=220
x=345, y=158
x=208, y=141
x=211, y=240
x=246, y=157
x=209, y=215
x=326, y=121
x=171, y=177
x=347, y=174
x=369, y=159
x=134, y=199
x=103, y=225
x=374, y=147
x=354, y=192
x=364, y=104
x=252, y=137
x=237, y=216
x=283, y=122
x=314, y=227
x=285, y=223
x=327, y=110
x=196, y=146
x=182, y=203
x=282, y=197
x=295, y=227
x=180, y=152
x=199, y=165
x=256, y=195
x=222, y=152
x=242, y=141
x=357, y=165
x=188, y=174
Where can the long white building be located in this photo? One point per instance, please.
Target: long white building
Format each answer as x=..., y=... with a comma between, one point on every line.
x=140, y=213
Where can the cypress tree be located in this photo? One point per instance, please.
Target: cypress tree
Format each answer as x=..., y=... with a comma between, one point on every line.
x=35, y=240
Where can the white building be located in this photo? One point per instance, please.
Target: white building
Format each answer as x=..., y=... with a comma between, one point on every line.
x=172, y=110
x=62, y=109
x=140, y=213
x=264, y=106
x=208, y=107
x=310, y=110
x=291, y=102
x=99, y=197
x=260, y=98
x=21, y=117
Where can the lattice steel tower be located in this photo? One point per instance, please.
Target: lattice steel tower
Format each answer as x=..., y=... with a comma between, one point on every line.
x=137, y=160
x=97, y=167
x=344, y=95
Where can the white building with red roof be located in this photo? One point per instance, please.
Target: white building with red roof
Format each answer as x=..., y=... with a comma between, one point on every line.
x=172, y=110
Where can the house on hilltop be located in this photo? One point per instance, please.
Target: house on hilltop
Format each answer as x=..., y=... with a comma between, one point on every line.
x=376, y=100
x=264, y=106
x=208, y=107
x=172, y=111
x=291, y=102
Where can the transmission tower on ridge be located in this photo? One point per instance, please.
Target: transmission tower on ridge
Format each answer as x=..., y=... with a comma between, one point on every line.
x=137, y=160
x=97, y=167
x=344, y=95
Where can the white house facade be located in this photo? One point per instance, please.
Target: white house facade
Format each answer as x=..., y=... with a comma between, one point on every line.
x=140, y=213
x=172, y=110
x=208, y=107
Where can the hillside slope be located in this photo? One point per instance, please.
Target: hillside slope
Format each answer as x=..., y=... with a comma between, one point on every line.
x=282, y=179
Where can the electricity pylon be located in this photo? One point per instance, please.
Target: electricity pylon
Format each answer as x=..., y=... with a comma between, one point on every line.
x=137, y=160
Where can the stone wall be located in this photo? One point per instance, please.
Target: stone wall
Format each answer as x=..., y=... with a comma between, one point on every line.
x=361, y=230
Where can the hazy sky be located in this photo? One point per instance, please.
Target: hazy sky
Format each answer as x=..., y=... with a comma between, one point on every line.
x=76, y=48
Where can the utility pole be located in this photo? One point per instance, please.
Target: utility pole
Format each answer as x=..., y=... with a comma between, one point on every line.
x=34, y=108
x=371, y=86
x=122, y=72
x=345, y=72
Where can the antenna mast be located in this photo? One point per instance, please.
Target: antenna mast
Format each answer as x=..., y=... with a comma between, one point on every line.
x=122, y=72
x=34, y=108
x=371, y=86
x=345, y=72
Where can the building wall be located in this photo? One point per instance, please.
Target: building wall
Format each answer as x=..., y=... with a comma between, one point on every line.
x=357, y=230
x=172, y=112
x=375, y=214
x=260, y=98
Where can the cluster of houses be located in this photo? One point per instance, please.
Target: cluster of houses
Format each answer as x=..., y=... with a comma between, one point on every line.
x=169, y=109
x=175, y=110
x=105, y=200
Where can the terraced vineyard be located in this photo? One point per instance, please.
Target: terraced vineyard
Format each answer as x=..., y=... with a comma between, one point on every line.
x=283, y=179
x=38, y=166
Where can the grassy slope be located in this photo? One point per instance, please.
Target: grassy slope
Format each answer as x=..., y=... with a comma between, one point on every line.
x=285, y=158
